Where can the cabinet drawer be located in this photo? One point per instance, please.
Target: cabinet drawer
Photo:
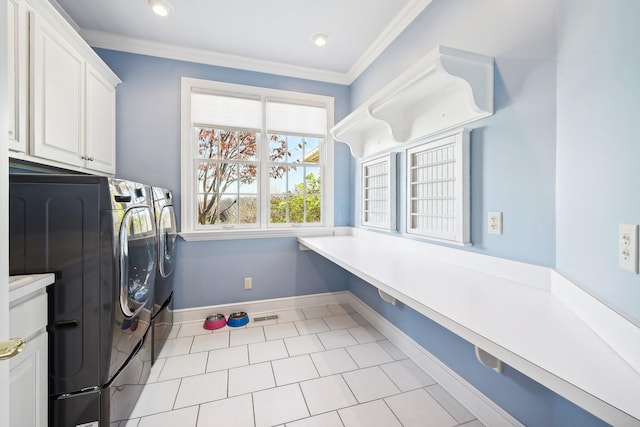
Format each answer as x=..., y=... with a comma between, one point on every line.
x=28, y=316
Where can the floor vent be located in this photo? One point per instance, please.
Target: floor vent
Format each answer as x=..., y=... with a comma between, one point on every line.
x=263, y=318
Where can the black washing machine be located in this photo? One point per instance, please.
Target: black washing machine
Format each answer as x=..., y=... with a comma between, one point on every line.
x=98, y=235
x=162, y=314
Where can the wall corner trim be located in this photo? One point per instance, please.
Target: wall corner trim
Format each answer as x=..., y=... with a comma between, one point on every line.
x=618, y=332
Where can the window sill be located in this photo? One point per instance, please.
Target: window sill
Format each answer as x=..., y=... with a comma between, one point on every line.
x=197, y=236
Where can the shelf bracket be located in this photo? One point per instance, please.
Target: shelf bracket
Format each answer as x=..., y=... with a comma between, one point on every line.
x=386, y=297
x=488, y=360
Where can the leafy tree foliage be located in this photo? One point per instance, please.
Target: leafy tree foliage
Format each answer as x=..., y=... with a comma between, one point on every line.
x=229, y=147
x=297, y=201
x=229, y=158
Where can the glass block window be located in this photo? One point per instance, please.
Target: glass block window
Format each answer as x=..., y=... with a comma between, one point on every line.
x=378, y=193
x=438, y=189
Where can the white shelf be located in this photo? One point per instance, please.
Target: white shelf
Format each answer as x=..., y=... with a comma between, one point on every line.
x=446, y=89
x=506, y=308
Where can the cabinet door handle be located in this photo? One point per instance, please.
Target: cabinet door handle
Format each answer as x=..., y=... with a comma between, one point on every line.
x=11, y=348
x=87, y=158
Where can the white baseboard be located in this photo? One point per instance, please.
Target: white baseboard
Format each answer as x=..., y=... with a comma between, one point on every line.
x=260, y=306
x=488, y=412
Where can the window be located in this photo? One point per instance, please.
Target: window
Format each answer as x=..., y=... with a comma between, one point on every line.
x=255, y=161
x=438, y=189
x=378, y=192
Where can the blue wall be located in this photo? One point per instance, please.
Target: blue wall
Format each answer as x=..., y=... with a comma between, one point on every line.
x=215, y=271
x=561, y=90
x=148, y=150
x=513, y=169
x=598, y=145
x=513, y=151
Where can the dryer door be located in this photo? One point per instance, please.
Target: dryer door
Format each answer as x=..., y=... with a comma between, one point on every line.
x=137, y=259
x=168, y=235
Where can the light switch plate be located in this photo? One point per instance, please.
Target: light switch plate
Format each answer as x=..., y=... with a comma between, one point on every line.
x=628, y=247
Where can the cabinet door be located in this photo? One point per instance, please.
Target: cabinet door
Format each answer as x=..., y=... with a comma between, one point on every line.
x=100, y=123
x=28, y=370
x=57, y=96
x=28, y=384
x=18, y=74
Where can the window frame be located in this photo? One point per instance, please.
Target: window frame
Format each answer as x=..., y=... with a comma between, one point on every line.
x=460, y=140
x=190, y=229
x=390, y=185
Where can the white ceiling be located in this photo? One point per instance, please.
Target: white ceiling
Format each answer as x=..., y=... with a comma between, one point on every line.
x=272, y=36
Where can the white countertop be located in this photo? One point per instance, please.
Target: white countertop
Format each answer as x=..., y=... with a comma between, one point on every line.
x=22, y=286
x=524, y=325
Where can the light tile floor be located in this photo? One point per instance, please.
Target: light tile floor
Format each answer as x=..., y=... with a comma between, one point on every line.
x=313, y=367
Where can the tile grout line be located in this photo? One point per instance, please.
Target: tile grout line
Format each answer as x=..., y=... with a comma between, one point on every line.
x=253, y=406
x=175, y=399
x=445, y=407
x=198, y=415
x=441, y=404
x=306, y=404
x=392, y=411
x=320, y=350
x=314, y=366
x=273, y=374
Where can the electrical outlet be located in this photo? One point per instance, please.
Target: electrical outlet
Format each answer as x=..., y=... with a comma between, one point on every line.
x=494, y=223
x=628, y=247
x=248, y=283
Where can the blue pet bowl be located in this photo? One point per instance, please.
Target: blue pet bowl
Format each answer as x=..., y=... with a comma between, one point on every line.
x=237, y=319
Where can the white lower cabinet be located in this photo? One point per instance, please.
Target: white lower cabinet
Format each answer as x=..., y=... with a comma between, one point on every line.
x=28, y=370
x=28, y=384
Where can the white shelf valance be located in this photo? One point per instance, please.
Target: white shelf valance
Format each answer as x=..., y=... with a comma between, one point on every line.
x=445, y=89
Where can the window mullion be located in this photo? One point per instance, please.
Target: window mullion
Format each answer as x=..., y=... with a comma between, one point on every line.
x=263, y=158
x=287, y=196
x=288, y=114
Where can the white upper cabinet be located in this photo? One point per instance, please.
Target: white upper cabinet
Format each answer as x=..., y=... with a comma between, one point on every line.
x=18, y=74
x=446, y=89
x=61, y=94
x=100, y=122
x=57, y=96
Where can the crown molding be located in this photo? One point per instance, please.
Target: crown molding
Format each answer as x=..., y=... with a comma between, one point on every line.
x=406, y=16
x=412, y=9
x=104, y=40
x=63, y=13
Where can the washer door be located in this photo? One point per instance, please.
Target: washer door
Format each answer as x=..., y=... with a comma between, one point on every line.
x=137, y=259
x=168, y=235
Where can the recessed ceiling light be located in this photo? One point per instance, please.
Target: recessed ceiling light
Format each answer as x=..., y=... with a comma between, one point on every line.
x=319, y=39
x=161, y=7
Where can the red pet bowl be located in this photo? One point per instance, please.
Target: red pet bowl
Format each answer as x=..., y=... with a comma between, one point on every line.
x=215, y=321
